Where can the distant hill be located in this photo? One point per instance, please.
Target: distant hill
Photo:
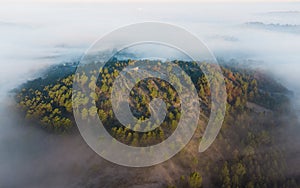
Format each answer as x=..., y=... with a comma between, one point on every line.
x=288, y=28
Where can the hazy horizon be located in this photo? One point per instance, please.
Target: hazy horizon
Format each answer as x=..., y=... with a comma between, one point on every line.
x=40, y=35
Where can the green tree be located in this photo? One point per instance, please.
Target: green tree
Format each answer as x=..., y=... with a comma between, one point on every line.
x=225, y=176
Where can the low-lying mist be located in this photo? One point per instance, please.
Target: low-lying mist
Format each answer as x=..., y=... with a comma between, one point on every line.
x=30, y=157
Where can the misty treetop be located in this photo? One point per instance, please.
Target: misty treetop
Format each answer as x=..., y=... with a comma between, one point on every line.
x=254, y=105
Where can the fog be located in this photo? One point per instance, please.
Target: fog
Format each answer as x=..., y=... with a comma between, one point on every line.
x=35, y=36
